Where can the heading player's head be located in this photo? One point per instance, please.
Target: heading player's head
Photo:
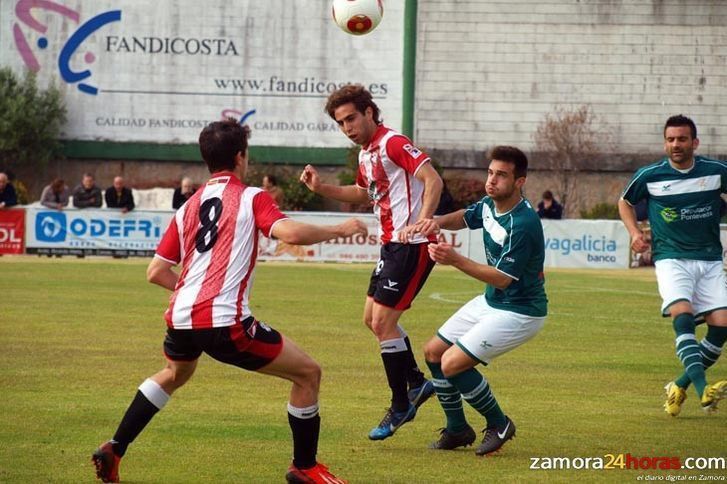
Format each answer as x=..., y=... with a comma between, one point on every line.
x=353, y=108
x=506, y=173
x=223, y=145
x=680, y=140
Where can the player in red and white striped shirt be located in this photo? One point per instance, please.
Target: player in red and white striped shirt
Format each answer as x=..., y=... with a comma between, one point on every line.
x=214, y=238
x=397, y=178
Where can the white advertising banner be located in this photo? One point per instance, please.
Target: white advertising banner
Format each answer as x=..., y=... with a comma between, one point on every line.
x=593, y=244
x=94, y=231
x=568, y=243
x=587, y=244
x=159, y=71
x=349, y=249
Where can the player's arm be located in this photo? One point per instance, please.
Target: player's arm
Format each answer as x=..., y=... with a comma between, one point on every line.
x=298, y=233
x=160, y=272
x=628, y=216
x=445, y=254
x=347, y=193
x=432, y=190
x=427, y=226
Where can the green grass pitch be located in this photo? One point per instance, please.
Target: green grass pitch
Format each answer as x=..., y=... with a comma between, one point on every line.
x=78, y=336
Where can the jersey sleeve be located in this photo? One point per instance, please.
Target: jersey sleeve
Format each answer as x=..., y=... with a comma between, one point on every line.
x=516, y=253
x=170, y=247
x=473, y=215
x=402, y=152
x=636, y=190
x=266, y=212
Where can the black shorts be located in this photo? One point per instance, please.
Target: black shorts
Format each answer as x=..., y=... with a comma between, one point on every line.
x=249, y=345
x=400, y=274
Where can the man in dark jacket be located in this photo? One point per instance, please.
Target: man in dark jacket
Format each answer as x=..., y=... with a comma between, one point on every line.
x=549, y=207
x=87, y=194
x=8, y=197
x=118, y=196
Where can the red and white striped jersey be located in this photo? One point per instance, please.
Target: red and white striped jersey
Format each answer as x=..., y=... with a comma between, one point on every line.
x=386, y=168
x=214, y=235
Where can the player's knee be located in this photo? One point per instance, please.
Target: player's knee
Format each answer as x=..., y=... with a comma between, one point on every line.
x=310, y=373
x=449, y=366
x=432, y=352
x=383, y=329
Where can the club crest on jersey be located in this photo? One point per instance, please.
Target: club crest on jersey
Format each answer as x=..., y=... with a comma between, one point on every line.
x=374, y=194
x=412, y=150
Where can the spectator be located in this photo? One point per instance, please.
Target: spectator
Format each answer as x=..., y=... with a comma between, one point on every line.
x=118, y=196
x=549, y=207
x=8, y=197
x=55, y=195
x=87, y=194
x=270, y=185
x=183, y=193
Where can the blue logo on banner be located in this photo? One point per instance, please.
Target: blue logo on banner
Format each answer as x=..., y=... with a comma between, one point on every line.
x=50, y=227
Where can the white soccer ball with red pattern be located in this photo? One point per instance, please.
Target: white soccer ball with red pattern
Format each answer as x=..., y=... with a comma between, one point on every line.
x=357, y=17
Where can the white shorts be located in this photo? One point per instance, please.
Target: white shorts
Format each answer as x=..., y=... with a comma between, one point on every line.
x=484, y=332
x=702, y=283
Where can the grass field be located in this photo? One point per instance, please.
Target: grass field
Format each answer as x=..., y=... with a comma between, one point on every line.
x=78, y=336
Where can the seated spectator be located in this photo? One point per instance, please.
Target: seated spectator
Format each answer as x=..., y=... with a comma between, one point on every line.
x=118, y=196
x=549, y=207
x=183, y=193
x=55, y=195
x=87, y=194
x=270, y=185
x=8, y=197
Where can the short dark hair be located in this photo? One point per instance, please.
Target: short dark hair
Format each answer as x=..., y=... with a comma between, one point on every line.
x=57, y=185
x=547, y=195
x=273, y=181
x=513, y=155
x=221, y=141
x=356, y=94
x=681, y=120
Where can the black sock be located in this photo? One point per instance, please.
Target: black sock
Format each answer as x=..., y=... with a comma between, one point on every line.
x=305, y=440
x=396, y=365
x=137, y=416
x=414, y=375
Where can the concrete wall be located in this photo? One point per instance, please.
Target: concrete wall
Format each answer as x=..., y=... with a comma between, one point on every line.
x=488, y=71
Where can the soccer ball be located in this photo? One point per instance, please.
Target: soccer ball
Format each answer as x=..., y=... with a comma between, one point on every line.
x=357, y=17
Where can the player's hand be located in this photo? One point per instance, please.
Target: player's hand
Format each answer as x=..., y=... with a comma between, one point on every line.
x=425, y=227
x=639, y=243
x=310, y=178
x=443, y=253
x=353, y=226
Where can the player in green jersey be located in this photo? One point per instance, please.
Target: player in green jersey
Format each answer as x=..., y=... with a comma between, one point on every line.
x=511, y=311
x=683, y=194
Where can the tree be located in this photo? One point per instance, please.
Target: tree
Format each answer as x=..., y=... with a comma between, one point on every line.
x=30, y=123
x=569, y=139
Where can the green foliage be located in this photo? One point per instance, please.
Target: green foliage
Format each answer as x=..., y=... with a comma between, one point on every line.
x=601, y=211
x=65, y=392
x=297, y=195
x=30, y=122
x=347, y=176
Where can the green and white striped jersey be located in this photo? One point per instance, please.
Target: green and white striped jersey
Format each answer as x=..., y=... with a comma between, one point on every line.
x=683, y=207
x=515, y=246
